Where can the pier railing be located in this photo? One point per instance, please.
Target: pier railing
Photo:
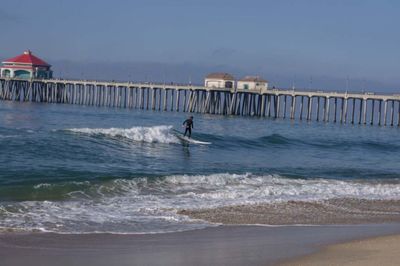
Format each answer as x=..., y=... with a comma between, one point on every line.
x=341, y=107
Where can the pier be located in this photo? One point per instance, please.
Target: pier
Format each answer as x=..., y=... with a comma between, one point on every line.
x=336, y=107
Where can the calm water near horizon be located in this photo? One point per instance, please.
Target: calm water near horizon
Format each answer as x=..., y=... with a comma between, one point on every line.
x=77, y=169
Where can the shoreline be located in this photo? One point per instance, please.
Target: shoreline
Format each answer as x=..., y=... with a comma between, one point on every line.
x=222, y=245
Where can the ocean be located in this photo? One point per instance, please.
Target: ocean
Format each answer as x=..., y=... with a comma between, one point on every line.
x=78, y=169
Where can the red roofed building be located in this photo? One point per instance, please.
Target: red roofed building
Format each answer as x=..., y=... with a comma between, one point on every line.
x=26, y=66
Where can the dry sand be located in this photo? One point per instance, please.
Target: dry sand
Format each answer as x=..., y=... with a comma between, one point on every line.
x=223, y=245
x=375, y=251
x=369, y=252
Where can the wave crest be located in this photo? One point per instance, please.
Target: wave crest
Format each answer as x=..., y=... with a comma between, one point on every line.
x=155, y=134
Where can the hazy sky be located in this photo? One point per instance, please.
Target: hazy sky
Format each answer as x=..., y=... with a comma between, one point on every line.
x=302, y=43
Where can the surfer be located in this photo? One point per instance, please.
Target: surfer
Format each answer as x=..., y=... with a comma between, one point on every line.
x=188, y=124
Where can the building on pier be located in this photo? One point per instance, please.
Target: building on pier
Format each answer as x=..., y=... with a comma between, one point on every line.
x=219, y=80
x=254, y=83
x=26, y=66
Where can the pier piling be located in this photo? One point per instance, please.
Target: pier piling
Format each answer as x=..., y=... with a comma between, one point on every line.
x=353, y=108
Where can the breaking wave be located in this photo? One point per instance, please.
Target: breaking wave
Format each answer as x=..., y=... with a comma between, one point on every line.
x=155, y=134
x=148, y=204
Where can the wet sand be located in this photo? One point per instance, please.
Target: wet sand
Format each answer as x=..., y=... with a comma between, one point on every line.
x=335, y=211
x=223, y=245
x=368, y=252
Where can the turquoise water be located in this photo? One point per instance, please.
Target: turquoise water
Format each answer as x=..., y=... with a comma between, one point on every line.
x=66, y=168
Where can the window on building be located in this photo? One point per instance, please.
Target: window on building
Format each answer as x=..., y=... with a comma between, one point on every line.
x=229, y=84
x=6, y=73
x=22, y=74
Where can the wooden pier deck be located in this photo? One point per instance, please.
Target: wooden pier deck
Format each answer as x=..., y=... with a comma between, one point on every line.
x=340, y=107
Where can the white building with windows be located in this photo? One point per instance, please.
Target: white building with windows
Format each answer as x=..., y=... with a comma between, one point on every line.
x=254, y=83
x=219, y=80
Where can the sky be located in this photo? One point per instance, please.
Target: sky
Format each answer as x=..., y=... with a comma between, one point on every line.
x=316, y=44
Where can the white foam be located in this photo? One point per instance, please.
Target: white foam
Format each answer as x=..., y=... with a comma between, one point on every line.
x=155, y=134
x=151, y=205
x=221, y=189
x=42, y=185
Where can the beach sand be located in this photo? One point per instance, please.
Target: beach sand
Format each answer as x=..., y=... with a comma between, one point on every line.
x=368, y=252
x=222, y=245
x=334, y=211
x=329, y=222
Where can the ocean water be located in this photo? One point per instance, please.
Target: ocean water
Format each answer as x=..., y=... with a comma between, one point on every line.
x=77, y=169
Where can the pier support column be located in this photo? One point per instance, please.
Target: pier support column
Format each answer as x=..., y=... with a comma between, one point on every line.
x=277, y=106
x=205, y=102
x=365, y=101
x=128, y=97
x=184, y=100
x=232, y=103
x=133, y=97
x=262, y=110
x=342, y=111
x=324, y=110
x=141, y=97
x=372, y=112
x=116, y=96
x=345, y=110
x=172, y=99
x=293, y=108
x=335, y=110
x=327, y=109
x=269, y=105
x=153, y=99
x=238, y=102
x=165, y=100
x=284, y=106
x=147, y=98
x=301, y=107
x=309, y=107
x=398, y=114
x=353, y=111
x=190, y=99
x=103, y=95
x=318, y=100
x=178, y=95
x=160, y=97
x=244, y=101
x=360, y=111
x=392, y=114
x=385, y=112
x=380, y=112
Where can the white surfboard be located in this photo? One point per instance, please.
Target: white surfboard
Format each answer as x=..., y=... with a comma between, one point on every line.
x=190, y=140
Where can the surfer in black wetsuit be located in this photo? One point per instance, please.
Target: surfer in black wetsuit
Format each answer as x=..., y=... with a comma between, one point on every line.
x=188, y=124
